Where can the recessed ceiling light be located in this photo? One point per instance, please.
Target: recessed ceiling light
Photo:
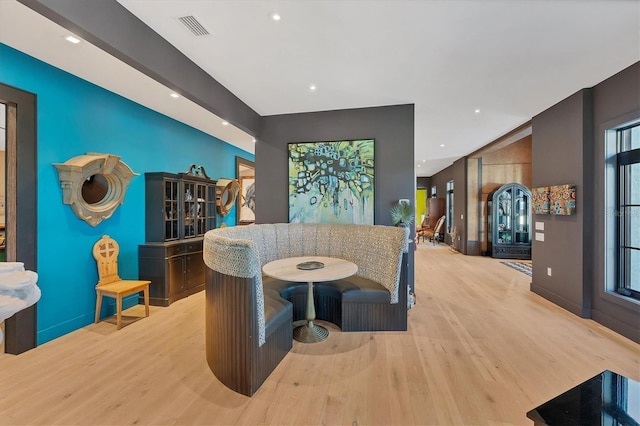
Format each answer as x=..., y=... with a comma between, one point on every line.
x=477, y=111
x=424, y=161
x=312, y=87
x=174, y=95
x=441, y=145
x=254, y=140
x=275, y=16
x=225, y=123
x=419, y=165
x=72, y=39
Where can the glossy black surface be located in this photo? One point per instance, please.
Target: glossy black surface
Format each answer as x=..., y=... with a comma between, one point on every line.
x=606, y=399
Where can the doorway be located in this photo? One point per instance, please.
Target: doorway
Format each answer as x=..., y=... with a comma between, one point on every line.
x=3, y=178
x=20, y=191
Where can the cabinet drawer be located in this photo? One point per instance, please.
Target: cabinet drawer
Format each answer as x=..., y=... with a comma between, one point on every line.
x=175, y=249
x=193, y=246
x=151, y=251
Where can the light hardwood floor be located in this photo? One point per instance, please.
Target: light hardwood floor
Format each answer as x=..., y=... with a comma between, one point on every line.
x=481, y=349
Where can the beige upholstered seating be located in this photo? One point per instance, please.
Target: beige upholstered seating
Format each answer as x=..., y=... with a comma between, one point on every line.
x=105, y=251
x=249, y=317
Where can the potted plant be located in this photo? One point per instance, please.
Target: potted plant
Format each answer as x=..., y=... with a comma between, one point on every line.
x=402, y=214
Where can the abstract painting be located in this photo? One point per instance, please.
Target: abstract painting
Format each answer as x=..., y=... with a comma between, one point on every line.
x=563, y=200
x=540, y=200
x=331, y=182
x=246, y=202
x=248, y=197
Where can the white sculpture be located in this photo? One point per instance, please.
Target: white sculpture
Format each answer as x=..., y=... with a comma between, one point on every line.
x=18, y=289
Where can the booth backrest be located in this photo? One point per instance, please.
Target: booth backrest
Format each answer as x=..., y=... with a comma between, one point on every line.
x=241, y=251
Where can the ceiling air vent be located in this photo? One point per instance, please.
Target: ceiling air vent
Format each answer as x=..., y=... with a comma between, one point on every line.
x=194, y=26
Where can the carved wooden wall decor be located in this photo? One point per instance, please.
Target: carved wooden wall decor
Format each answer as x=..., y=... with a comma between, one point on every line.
x=94, y=185
x=226, y=195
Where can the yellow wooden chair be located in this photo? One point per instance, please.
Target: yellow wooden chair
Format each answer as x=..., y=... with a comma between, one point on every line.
x=105, y=251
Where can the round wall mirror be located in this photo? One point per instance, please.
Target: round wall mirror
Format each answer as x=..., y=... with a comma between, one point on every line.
x=95, y=188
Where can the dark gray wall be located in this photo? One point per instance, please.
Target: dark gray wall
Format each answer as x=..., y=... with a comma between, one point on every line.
x=615, y=101
x=392, y=127
x=569, y=147
x=559, y=139
x=440, y=179
x=424, y=183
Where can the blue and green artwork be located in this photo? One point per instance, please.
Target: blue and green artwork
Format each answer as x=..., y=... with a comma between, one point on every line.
x=331, y=182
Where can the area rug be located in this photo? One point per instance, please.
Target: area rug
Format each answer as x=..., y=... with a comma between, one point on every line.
x=523, y=267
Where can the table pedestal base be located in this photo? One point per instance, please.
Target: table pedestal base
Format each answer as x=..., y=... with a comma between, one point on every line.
x=310, y=333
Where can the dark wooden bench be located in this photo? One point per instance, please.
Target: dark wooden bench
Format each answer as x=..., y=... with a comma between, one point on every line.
x=353, y=304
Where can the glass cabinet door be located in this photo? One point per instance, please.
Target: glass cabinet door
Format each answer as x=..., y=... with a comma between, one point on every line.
x=211, y=207
x=509, y=222
x=490, y=220
x=503, y=217
x=170, y=210
x=200, y=209
x=195, y=209
x=521, y=210
x=178, y=206
x=190, y=207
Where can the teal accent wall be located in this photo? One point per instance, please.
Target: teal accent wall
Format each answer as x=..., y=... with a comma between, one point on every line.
x=75, y=117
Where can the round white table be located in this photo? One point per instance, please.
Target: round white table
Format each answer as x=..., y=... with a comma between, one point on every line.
x=327, y=269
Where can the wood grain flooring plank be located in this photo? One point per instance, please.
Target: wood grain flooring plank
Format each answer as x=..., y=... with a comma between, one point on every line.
x=480, y=349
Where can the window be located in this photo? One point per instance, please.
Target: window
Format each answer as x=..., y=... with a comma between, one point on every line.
x=628, y=211
x=449, y=205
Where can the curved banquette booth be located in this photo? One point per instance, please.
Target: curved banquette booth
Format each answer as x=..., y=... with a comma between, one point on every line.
x=249, y=317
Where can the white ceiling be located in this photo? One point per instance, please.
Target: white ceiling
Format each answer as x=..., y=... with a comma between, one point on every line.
x=511, y=59
x=31, y=33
